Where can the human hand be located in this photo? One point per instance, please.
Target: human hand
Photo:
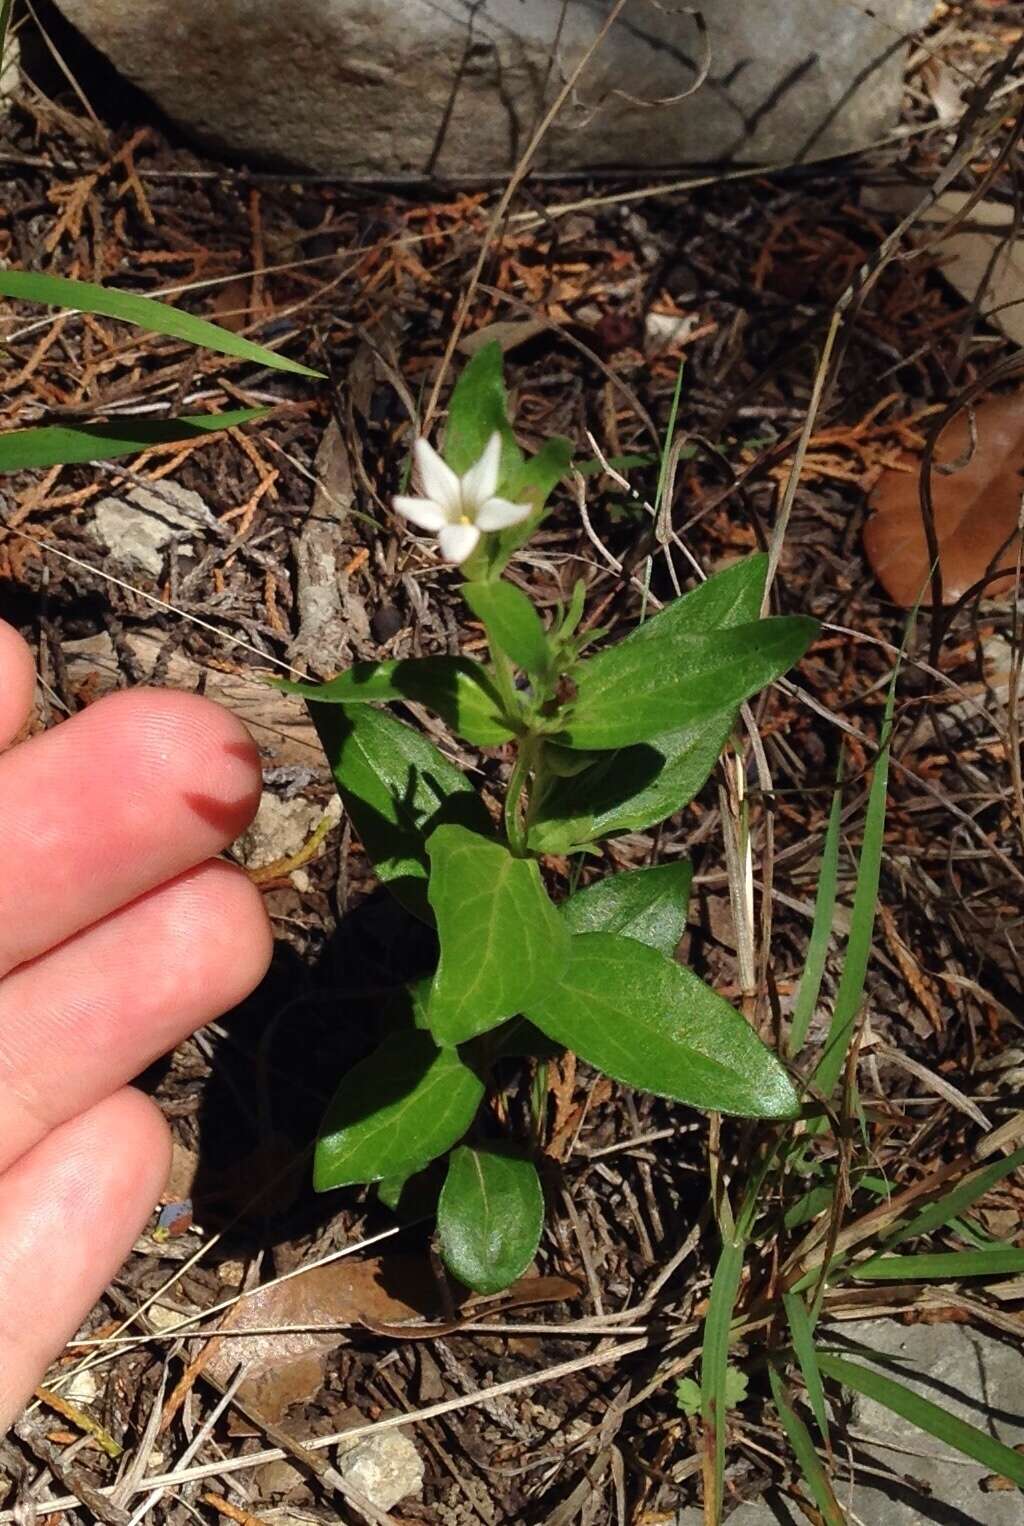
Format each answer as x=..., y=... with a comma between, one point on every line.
x=119, y=935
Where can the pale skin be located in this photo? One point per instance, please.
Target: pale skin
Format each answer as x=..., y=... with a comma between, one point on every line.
x=120, y=933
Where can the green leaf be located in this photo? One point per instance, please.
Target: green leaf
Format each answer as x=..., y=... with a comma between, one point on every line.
x=688, y=1392
x=532, y=482
x=69, y=444
x=1003, y=1260
x=405, y=1008
x=952, y=1203
x=390, y=1190
x=456, y=687
x=501, y=937
x=628, y=790
x=802, y=1331
x=395, y=1112
x=627, y=692
x=646, y=904
x=731, y=598
x=650, y=1023
x=477, y=408
x=862, y=917
x=145, y=313
x=927, y=1416
x=635, y=787
x=821, y=932
x=803, y=1447
x=714, y=1363
x=490, y=1217
x=511, y=622
x=514, y=1040
x=396, y=788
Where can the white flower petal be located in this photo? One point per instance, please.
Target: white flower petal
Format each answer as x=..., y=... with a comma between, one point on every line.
x=481, y=481
x=421, y=511
x=457, y=541
x=498, y=514
x=436, y=479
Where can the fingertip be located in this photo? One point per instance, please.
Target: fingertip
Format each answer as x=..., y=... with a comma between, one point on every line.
x=188, y=748
x=17, y=682
x=136, y=1173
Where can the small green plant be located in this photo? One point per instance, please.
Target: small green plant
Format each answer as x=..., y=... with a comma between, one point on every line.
x=601, y=743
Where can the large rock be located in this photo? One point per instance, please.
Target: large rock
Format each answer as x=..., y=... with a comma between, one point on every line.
x=455, y=87
x=902, y=1477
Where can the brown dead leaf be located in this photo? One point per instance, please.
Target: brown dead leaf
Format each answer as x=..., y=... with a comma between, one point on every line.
x=231, y=305
x=983, y=254
x=976, y=508
x=287, y=1367
x=510, y=334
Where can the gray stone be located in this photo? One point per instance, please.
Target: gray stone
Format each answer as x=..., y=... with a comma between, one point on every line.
x=138, y=528
x=456, y=87
x=968, y=1373
x=385, y=1468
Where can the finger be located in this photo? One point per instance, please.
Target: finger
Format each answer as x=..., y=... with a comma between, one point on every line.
x=85, y=1018
x=133, y=791
x=70, y=1211
x=17, y=683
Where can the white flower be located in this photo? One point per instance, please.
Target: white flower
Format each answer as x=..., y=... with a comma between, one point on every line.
x=457, y=508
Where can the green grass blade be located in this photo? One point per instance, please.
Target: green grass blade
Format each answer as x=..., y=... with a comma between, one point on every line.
x=821, y=932
x=952, y=1203
x=802, y=1331
x=808, y=1459
x=714, y=1361
x=68, y=444
x=670, y=430
x=145, y=312
x=862, y=919
x=967, y=1439
x=1003, y=1261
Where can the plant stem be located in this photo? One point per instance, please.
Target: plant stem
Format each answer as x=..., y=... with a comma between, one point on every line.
x=515, y=825
x=504, y=677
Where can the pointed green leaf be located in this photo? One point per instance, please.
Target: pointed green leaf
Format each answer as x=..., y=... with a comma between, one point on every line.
x=477, y=408
x=68, y=444
x=802, y=1331
x=630, y=789
x=821, y=932
x=646, y=904
x=927, y=1266
x=456, y=687
x=927, y=1416
x=406, y=1008
x=950, y=1204
x=635, y=787
x=535, y=479
x=627, y=692
x=803, y=1448
x=147, y=313
x=532, y=482
x=715, y=1359
x=511, y=622
x=862, y=916
x=650, y=1023
x=396, y=788
x=490, y=1217
x=395, y=1112
x=501, y=936
x=732, y=597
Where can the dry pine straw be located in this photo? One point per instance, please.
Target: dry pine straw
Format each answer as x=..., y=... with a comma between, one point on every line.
x=365, y=282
